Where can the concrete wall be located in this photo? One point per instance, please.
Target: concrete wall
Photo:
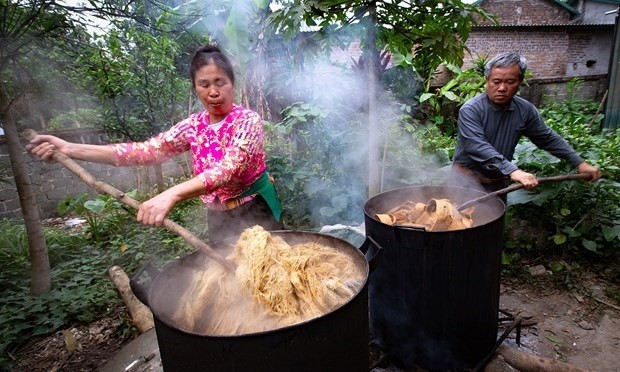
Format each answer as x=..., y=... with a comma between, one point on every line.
x=589, y=53
x=541, y=91
x=53, y=182
x=594, y=12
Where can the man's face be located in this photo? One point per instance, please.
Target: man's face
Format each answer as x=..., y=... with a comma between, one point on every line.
x=503, y=83
x=215, y=90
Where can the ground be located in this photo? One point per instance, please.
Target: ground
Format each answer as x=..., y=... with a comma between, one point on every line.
x=580, y=326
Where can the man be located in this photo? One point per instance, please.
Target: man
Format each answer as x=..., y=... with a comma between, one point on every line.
x=491, y=124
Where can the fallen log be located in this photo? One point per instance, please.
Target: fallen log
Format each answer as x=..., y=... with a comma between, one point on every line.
x=523, y=361
x=141, y=315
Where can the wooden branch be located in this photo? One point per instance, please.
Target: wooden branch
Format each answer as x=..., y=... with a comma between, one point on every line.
x=517, y=186
x=523, y=361
x=141, y=315
x=104, y=188
x=607, y=303
x=600, y=107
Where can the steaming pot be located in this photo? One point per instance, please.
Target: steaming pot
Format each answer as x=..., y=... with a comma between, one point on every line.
x=434, y=299
x=335, y=341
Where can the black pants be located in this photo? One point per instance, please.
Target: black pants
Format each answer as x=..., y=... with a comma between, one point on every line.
x=231, y=223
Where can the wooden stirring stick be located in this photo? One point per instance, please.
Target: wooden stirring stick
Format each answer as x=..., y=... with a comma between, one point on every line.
x=104, y=188
x=517, y=186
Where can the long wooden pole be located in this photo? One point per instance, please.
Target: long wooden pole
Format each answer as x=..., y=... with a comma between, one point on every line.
x=517, y=186
x=104, y=188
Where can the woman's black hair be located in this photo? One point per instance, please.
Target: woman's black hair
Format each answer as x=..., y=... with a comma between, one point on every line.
x=207, y=55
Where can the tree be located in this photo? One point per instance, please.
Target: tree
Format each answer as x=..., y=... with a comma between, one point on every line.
x=26, y=25
x=423, y=34
x=30, y=33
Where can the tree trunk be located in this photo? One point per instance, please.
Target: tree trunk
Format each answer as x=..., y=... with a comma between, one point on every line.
x=373, y=125
x=39, y=258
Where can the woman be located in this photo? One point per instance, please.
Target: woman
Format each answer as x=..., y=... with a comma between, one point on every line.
x=226, y=141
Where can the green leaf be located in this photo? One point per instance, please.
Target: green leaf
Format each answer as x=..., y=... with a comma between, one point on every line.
x=611, y=233
x=451, y=96
x=426, y=96
x=559, y=239
x=555, y=339
x=261, y=4
x=565, y=212
x=589, y=245
x=96, y=206
x=557, y=266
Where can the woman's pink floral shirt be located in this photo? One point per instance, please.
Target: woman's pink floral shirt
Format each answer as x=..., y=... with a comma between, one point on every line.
x=228, y=160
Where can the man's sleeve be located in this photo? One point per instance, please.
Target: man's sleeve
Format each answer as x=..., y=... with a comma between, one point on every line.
x=547, y=139
x=476, y=145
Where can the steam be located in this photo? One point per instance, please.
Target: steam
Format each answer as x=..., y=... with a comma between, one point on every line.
x=333, y=83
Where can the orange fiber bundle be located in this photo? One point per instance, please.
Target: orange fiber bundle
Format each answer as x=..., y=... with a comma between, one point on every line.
x=275, y=285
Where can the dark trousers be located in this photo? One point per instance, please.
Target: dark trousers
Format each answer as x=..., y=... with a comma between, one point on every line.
x=468, y=179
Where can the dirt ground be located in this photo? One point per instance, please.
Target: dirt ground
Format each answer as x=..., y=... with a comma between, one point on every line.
x=580, y=327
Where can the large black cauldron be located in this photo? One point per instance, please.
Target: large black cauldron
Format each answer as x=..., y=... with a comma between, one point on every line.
x=434, y=299
x=336, y=341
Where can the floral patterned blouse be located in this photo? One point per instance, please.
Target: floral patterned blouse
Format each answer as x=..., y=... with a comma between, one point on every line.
x=227, y=158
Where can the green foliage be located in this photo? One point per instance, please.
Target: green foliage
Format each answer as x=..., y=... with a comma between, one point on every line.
x=404, y=83
x=437, y=29
x=463, y=87
x=104, y=213
x=319, y=159
x=14, y=243
x=80, y=118
x=133, y=72
x=82, y=291
x=312, y=157
x=584, y=218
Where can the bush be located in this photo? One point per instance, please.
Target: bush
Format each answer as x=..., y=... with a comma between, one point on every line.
x=81, y=290
x=583, y=218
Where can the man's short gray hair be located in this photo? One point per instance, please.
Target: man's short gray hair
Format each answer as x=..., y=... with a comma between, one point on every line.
x=506, y=59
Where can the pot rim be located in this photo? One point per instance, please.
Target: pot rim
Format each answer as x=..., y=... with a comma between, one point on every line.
x=491, y=203
x=344, y=243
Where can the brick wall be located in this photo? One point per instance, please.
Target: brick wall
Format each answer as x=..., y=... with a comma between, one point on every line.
x=53, y=182
x=526, y=12
x=546, y=52
x=554, y=45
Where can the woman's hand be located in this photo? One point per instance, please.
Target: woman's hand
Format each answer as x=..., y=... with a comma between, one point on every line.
x=528, y=180
x=154, y=211
x=44, y=146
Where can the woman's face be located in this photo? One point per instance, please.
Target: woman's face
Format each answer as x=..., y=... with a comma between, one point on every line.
x=215, y=90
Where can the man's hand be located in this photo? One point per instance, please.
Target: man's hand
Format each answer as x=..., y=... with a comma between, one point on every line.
x=593, y=171
x=528, y=180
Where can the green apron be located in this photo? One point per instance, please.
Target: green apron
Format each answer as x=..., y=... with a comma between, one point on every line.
x=265, y=188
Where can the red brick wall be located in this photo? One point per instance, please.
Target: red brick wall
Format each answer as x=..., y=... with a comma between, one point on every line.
x=526, y=12
x=546, y=51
